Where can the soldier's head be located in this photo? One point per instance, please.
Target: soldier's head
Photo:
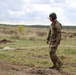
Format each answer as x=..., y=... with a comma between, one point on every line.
x=52, y=17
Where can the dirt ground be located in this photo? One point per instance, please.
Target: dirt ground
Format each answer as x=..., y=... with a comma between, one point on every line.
x=15, y=69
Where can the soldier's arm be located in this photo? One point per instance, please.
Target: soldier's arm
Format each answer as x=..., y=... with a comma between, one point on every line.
x=48, y=38
x=58, y=34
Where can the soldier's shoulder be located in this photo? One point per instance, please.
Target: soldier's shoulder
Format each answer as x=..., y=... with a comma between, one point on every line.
x=58, y=24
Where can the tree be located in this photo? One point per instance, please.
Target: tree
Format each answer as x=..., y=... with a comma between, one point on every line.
x=21, y=29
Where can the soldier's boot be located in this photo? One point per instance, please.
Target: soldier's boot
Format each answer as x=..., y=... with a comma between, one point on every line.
x=54, y=66
x=59, y=65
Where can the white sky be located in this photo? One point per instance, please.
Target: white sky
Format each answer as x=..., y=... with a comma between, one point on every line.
x=36, y=11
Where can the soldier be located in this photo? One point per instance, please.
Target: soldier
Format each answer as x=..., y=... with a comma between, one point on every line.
x=54, y=38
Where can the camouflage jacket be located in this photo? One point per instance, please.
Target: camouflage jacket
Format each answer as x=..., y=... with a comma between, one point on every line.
x=55, y=32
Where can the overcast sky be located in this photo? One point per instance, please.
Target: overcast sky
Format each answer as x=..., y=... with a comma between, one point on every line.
x=36, y=11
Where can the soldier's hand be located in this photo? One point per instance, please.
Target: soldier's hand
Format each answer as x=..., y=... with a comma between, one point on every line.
x=47, y=42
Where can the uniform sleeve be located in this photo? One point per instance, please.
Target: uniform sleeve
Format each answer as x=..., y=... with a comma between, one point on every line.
x=48, y=38
x=58, y=34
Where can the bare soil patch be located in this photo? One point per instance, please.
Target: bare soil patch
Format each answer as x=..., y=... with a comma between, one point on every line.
x=16, y=69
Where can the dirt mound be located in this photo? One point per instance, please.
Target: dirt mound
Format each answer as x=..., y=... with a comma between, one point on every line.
x=5, y=41
x=39, y=71
x=47, y=71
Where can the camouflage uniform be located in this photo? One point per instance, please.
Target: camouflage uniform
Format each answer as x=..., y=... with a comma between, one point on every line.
x=54, y=37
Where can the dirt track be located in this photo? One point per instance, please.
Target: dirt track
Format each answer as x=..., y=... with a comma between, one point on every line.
x=21, y=48
x=14, y=69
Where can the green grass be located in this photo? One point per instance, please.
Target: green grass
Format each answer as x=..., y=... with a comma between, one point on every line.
x=32, y=57
x=35, y=56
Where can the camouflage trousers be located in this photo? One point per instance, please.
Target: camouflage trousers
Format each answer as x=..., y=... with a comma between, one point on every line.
x=54, y=58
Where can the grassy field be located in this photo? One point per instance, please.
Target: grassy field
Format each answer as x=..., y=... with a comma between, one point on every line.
x=30, y=58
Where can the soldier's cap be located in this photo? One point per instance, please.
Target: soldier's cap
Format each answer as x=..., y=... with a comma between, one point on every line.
x=53, y=15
